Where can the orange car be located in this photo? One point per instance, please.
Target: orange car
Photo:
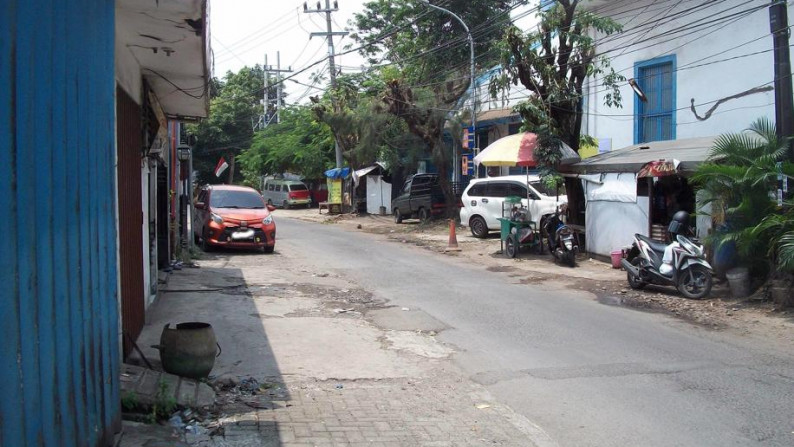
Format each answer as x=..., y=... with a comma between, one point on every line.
x=233, y=216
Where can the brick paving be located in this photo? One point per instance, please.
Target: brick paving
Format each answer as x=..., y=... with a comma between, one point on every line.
x=435, y=412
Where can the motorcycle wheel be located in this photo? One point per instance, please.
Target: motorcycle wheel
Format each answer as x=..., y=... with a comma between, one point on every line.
x=570, y=259
x=634, y=281
x=511, y=246
x=695, y=282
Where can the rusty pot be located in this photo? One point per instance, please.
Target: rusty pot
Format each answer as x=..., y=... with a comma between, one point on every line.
x=189, y=350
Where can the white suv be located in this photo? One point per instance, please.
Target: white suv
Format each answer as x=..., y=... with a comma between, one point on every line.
x=483, y=198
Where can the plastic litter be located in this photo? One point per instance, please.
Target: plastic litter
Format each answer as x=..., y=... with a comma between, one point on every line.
x=176, y=422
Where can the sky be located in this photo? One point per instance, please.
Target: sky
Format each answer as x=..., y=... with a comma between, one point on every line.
x=243, y=31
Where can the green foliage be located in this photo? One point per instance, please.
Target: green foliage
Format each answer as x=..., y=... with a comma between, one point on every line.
x=129, y=401
x=552, y=61
x=422, y=29
x=300, y=144
x=365, y=131
x=739, y=179
x=234, y=110
x=164, y=403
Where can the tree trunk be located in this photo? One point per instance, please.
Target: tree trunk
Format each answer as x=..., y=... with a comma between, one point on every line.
x=231, y=170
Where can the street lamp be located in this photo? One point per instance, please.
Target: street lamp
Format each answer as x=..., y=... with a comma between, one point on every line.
x=457, y=174
x=637, y=90
x=183, y=153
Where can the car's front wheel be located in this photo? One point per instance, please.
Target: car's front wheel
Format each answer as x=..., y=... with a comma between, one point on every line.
x=268, y=249
x=398, y=218
x=206, y=247
x=479, y=228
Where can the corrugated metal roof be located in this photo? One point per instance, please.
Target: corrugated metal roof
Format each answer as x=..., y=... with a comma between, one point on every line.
x=690, y=152
x=496, y=114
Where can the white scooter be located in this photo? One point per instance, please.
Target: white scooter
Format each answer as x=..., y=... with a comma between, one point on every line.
x=681, y=264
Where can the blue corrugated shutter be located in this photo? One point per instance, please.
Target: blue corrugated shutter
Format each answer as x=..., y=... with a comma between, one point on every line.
x=59, y=359
x=656, y=118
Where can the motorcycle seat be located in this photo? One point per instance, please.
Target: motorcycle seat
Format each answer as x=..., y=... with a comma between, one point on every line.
x=655, y=245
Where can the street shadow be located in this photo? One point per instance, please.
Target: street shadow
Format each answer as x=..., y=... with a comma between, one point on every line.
x=246, y=373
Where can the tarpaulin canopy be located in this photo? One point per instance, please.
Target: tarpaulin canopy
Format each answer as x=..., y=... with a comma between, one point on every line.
x=338, y=173
x=659, y=168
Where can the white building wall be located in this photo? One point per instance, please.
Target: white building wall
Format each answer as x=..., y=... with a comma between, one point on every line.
x=702, y=73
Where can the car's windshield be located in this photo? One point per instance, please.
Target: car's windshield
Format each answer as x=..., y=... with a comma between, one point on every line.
x=236, y=199
x=298, y=187
x=546, y=191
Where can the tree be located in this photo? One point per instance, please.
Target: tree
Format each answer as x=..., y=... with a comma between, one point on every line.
x=234, y=111
x=299, y=144
x=431, y=55
x=365, y=130
x=553, y=62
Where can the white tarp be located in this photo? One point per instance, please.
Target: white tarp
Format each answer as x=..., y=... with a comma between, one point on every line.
x=378, y=194
x=613, y=188
x=614, y=213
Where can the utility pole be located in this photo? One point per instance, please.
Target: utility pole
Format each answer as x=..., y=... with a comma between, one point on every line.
x=268, y=70
x=784, y=97
x=329, y=34
x=266, y=102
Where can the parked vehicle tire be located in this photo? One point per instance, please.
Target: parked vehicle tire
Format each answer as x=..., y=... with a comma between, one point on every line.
x=479, y=228
x=268, y=249
x=424, y=215
x=635, y=282
x=269, y=202
x=511, y=246
x=286, y=205
x=206, y=247
x=695, y=282
x=398, y=218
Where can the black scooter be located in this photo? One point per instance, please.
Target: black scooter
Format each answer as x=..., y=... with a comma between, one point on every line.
x=561, y=238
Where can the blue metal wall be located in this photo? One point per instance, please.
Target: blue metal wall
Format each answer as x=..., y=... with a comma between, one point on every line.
x=59, y=358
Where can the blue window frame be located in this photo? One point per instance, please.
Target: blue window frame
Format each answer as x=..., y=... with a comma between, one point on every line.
x=655, y=120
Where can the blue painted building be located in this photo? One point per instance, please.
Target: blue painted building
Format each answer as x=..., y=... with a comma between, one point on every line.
x=59, y=263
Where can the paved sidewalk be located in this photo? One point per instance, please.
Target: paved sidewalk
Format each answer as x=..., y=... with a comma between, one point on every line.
x=377, y=413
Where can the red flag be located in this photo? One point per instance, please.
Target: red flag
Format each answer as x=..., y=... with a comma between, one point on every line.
x=222, y=165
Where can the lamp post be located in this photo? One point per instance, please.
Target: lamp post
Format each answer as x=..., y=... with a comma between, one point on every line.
x=456, y=173
x=183, y=153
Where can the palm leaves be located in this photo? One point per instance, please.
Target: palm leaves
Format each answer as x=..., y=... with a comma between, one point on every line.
x=740, y=177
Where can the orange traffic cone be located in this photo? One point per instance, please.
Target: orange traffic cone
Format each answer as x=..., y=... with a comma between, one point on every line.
x=453, y=240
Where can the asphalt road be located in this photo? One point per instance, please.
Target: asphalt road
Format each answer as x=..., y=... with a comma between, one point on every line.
x=589, y=374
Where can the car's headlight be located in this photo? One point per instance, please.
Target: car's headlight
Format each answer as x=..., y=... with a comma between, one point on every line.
x=216, y=218
x=267, y=220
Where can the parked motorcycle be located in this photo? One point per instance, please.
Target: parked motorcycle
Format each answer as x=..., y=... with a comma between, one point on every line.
x=681, y=264
x=561, y=238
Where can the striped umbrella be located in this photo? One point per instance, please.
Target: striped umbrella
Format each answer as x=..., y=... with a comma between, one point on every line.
x=518, y=150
